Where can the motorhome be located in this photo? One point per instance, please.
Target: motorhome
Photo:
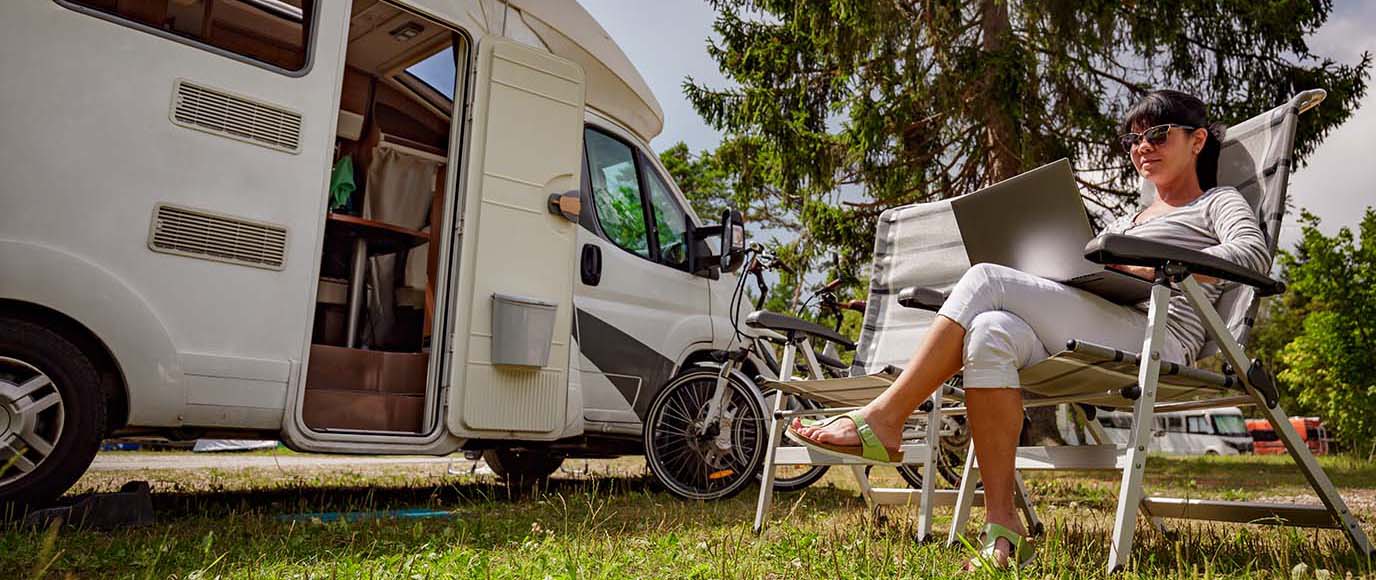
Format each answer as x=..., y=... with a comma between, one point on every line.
x=1310, y=429
x=358, y=226
x=1218, y=431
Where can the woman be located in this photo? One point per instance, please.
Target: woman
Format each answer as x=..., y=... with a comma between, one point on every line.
x=999, y=320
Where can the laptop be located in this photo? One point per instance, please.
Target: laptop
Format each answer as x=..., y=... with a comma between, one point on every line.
x=1037, y=223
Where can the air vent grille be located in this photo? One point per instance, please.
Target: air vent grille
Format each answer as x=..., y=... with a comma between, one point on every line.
x=199, y=234
x=236, y=117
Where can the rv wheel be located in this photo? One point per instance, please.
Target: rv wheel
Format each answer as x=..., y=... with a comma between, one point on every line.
x=523, y=467
x=52, y=415
x=699, y=457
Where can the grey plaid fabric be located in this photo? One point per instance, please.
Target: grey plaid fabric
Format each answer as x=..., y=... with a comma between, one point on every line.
x=1257, y=160
x=920, y=245
x=914, y=245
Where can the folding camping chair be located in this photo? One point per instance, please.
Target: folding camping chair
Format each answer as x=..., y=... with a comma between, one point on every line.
x=1256, y=159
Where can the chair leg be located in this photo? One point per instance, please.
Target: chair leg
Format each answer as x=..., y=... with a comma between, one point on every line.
x=862, y=479
x=1130, y=493
x=965, y=499
x=1323, y=487
x=929, y=470
x=1101, y=437
x=1299, y=451
x=776, y=435
x=1024, y=500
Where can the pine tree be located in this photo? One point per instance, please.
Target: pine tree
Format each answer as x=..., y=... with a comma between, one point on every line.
x=844, y=108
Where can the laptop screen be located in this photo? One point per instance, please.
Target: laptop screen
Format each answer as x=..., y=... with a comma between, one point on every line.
x=1034, y=222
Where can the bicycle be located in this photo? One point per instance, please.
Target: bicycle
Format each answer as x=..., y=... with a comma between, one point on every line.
x=704, y=432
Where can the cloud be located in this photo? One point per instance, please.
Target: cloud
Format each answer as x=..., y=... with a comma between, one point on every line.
x=667, y=43
x=1340, y=180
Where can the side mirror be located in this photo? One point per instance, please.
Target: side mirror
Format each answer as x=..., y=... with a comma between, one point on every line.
x=732, y=253
x=730, y=250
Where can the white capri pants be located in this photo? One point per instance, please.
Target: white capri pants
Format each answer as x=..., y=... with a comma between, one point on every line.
x=1014, y=320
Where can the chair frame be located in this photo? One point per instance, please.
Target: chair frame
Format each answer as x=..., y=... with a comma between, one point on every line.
x=921, y=452
x=1131, y=458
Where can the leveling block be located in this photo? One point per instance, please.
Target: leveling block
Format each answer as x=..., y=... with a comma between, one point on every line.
x=331, y=517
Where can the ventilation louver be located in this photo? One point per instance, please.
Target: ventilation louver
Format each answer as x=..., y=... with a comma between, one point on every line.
x=236, y=117
x=200, y=234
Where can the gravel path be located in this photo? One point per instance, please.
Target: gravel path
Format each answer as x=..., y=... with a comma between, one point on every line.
x=136, y=461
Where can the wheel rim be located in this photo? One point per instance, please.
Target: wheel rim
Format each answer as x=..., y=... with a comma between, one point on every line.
x=31, y=418
x=705, y=466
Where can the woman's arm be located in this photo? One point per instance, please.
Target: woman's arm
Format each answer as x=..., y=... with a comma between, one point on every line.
x=1239, y=237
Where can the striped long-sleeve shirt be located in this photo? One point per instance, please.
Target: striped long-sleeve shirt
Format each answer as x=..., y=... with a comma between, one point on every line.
x=1221, y=223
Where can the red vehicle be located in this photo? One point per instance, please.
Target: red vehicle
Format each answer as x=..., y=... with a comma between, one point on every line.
x=1266, y=442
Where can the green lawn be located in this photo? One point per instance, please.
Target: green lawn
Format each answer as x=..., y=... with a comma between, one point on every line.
x=613, y=523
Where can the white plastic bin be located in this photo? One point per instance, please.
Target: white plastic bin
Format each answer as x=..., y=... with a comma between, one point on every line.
x=522, y=329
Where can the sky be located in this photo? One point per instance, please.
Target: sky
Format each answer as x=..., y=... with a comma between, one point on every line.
x=667, y=42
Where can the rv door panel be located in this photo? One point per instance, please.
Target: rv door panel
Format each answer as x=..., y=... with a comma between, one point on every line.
x=518, y=258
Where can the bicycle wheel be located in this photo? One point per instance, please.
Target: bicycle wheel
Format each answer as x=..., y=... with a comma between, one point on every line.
x=955, y=443
x=697, y=459
x=795, y=477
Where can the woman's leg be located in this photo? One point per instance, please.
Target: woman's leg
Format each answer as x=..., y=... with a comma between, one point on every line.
x=997, y=345
x=1049, y=313
x=995, y=419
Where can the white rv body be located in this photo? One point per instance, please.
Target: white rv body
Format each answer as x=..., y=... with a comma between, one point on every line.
x=95, y=147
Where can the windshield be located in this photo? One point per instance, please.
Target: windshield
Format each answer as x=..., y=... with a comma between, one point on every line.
x=1229, y=425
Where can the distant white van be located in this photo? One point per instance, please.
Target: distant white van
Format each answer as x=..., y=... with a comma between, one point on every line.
x=1219, y=431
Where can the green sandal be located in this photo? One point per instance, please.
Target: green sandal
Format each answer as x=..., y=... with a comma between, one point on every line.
x=1023, y=551
x=871, y=450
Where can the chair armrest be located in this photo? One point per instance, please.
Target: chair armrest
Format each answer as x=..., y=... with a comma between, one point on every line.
x=790, y=325
x=923, y=298
x=830, y=361
x=1135, y=251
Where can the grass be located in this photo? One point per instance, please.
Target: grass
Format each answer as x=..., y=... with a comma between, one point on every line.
x=614, y=523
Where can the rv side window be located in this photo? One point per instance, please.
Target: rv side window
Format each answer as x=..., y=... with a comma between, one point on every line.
x=1175, y=425
x=616, y=192
x=671, y=224
x=1229, y=425
x=1196, y=424
x=272, y=32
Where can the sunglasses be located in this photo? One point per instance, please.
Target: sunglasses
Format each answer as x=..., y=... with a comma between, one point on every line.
x=1156, y=136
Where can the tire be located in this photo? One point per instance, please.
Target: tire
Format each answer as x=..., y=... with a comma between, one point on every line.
x=523, y=468
x=795, y=477
x=711, y=466
x=52, y=415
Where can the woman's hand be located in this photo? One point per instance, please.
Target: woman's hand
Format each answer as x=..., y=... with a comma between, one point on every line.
x=1142, y=272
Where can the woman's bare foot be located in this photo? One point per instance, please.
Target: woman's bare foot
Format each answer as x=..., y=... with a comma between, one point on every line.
x=843, y=433
x=1003, y=550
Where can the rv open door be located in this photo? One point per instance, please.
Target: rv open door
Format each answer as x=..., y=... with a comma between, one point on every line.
x=517, y=246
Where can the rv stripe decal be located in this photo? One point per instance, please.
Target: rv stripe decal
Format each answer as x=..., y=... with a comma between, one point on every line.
x=617, y=353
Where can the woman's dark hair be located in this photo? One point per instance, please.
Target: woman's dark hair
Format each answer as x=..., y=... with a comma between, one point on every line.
x=1168, y=106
